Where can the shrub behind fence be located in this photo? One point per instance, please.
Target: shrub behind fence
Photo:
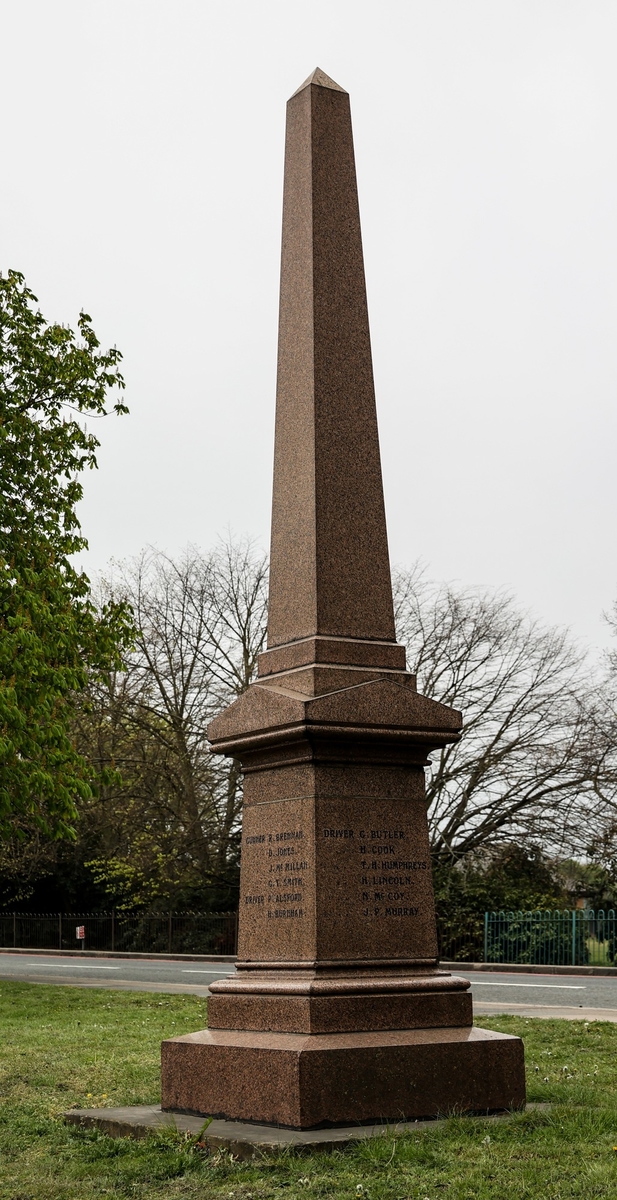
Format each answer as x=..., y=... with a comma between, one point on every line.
x=574, y=937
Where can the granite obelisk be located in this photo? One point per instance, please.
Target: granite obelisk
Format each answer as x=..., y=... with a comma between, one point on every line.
x=338, y=1012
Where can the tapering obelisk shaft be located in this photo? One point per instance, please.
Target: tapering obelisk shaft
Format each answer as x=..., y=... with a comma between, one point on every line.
x=330, y=572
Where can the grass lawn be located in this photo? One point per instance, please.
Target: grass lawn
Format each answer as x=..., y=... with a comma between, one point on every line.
x=65, y=1046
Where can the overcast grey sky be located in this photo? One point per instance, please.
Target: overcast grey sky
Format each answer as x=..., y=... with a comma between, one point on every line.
x=142, y=150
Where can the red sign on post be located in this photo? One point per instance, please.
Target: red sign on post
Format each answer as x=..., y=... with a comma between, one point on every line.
x=80, y=933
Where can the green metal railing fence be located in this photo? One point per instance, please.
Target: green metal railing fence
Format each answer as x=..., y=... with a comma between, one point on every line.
x=573, y=937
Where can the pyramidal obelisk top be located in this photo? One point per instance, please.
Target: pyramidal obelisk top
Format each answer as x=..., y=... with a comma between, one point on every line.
x=330, y=571
x=319, y=79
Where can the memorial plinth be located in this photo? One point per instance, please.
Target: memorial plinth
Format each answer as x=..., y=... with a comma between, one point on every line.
x=338, y=1012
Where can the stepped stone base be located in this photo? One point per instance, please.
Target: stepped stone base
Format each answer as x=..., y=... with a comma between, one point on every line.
x=335, y=1014
x=339, y=1005
x=304, y=1082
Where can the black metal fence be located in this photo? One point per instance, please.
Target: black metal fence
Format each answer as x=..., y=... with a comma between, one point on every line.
x=150, y=933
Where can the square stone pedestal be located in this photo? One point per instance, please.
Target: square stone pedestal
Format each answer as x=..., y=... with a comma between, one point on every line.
x=303, y=1082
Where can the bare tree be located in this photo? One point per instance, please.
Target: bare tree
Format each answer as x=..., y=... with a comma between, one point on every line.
x=602, y=848
x=535, y=765
x=200, y=624
x=531, y=765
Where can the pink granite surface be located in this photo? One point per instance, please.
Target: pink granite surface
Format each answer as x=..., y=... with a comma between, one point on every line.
x=305, y=1082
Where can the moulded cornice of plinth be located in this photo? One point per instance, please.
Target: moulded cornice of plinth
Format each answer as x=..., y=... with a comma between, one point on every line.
x=379, y=709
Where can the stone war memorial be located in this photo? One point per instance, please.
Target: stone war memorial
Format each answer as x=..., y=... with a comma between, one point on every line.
x=339, y=1013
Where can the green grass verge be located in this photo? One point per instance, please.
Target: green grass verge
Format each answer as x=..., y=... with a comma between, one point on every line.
x=67, y=1046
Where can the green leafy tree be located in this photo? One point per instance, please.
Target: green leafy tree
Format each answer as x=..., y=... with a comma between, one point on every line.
x=51, y=636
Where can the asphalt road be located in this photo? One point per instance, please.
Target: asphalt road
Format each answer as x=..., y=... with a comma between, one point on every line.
x=127, y=974
x=582, y=997
x=579, y=997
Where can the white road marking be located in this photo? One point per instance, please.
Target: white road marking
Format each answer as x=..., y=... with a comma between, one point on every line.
x=566, y=987
x=190, y=971
x=69, y=967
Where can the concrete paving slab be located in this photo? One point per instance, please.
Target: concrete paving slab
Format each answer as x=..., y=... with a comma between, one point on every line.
x=240, y=1138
